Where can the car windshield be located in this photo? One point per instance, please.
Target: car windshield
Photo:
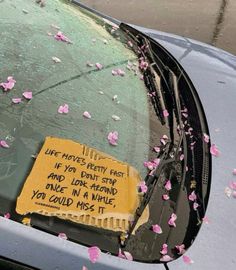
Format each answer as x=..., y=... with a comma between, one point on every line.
x=67, y=73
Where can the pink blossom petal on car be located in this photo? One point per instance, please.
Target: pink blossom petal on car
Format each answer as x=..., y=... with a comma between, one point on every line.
x=168, y=185
x=166, y=258
x=9, y=84
x=165, y=197
x=61, y=37
x=143, y=186
x=234, y=194
x=164, y=250
x=4, y=144
x=192, y=197
x=128, y=256
x=187, y=260
x=181, y=157
x=232, y=185
x=16, y=100
x=113, y=137
x=99, y=66
x=7, y=215
x=206, y=138
x=172, y=220
x=156, y=229
x=195, y=206
x=94, y=254
x=234, y=171
x=181, y=249
x=120, y=72
x=130, y=44
x=206, y=220
x=165, y=113
x=87, y=115
x=62, y=236
x=157, y=149
x=28, y=95
x=84, y=268
x=114, y=72
x=214, y=150
x=63, y=109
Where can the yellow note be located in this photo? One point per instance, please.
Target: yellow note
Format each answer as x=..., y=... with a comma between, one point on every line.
x=72, y=181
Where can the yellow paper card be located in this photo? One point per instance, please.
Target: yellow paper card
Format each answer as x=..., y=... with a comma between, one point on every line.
x=72, y=181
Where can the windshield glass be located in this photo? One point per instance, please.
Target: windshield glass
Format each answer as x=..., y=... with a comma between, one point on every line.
x=67, y=74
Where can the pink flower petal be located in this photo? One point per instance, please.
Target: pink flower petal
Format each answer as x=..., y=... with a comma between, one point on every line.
x=143, y=186
x=87, y=115
x=164, y=250
x=234, y=194
x=99, y=66
x=181, y=249
x=165, y=197
x=166, y=258
x=172, y=220
x=181, y=157
x=62, y=236
x=234, y=171
x=4, y=144
x=187, y=260
x=61, y=37
x=157, y=149
x=195, y=206
x=94, y=254
x=9, y=84
x=168, y=185
x=165, y=113
x=120, y=72
x=63, y=109
x=206, y=138
x=128, y=256
x=192, y=197
x=27, y=95
x=130, y=44
x=84, y=268
x=16, y=100
x=7, y=216
x=113, y=138
x=156, y=229
x=214, y=150
x=206, y=220
x=114, y=72
x=232, y=185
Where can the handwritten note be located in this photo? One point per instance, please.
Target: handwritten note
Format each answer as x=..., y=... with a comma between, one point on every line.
x=72, y=181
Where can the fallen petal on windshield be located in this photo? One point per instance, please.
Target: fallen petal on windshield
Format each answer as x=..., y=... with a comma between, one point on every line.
x=143, y=186
x=164, y=249
x=214, y=150
x=165, y=197
x=94, y=254
x=234, y=171
x=4, y=144
x=166, y=258
x=172, y=220
x=63, y=109
x=62, y=236
x=28, y=95
x=16, y=100
x=116, y=118
x=181, y=249
x=187, y=260
x=168, y=185
x=56, y=59
x=156, y=229
x=99, y=66
x=113, y=137
x=192, y=197
x=7, y=215
x=206, y=138
x=9, y=84
x=228, y=192
x=87, y=115
x=165, y=113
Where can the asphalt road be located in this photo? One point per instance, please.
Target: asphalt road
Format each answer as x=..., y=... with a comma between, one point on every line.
x=211, y=21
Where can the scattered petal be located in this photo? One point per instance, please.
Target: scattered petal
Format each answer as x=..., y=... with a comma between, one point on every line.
x=25, y=11
x=228, y=192
x=9, y=84
x=63, y=109
x=113, y=137
x=181, y=249
x=94, y=254
x=130, y=44
x=61, y=37
x=7, y=215
x=101, y=93
x=128, y=256
x=87, y=115
x=56, y=59
x=181, y=157
x=157, y=229
x=195, y=206
x=165, y=113
x=105, y=41
x=192, y=197
x=62, y=236
x=114, y=72
x=234, y=194
x=84, y=268
x=172, y=220
x=151, y=165
x=164, y=250
x=89, y=64
x=157, y=149
x=143, y=186
x=4, y=144
x=99, y=66
x=187, y=260
x=143, y=65
x=206, y=220
x=168, y=185
x=214, y=150
x=16, y=100
x=234, y=171
x=116, y=118
x=232, y=185
x=206, y=138
x=28, y=95
x=166, y=258
x=165, y=197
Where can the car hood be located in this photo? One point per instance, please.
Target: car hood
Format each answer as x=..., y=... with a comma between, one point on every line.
x=213, y=73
